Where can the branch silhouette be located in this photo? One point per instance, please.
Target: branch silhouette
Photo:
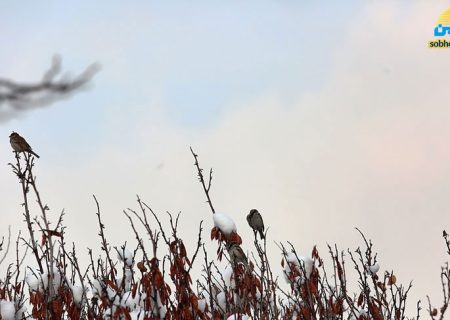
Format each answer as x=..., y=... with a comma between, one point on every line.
x=17, y=97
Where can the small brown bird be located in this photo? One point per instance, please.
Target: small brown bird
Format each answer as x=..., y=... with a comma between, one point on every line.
x=236, y=254
x=19, y=144
x=256, y=222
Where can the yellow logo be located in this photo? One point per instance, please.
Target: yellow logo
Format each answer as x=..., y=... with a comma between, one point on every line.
x=441, y=32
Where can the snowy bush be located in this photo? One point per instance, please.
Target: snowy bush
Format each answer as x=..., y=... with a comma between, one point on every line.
x=137, y=283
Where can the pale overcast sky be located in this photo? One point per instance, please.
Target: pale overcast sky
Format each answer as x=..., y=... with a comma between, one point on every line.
x=323, y=115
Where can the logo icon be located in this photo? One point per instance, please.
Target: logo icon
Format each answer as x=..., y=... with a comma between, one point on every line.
x=441, y=32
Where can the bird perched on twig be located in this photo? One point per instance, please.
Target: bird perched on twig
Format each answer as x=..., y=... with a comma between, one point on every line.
x=256, y=222
x=236, y=253
x=19, y=144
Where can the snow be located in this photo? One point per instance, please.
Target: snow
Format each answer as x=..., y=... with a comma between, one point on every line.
x=38, y=281
x=224, y=223
x=374, y=268
x=125, y=255
x=220, y=278
x=34, y=280
x=359, y=313
x=126, y=280
x=112, y=294
x=137, y=314
x=128, y=301
x=97, y=288
x=227, y=275
x=308, y=264
x=161, y=308
x=202, y=305
x=133, y=303
x=206, y=296
x=107, y=314
x=7, y=310
x=238, y=316
x=77, y=292
x=293, y=260
x=221, y=300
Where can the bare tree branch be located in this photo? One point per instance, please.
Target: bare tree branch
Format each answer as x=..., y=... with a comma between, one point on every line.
x=7, y=245
x=53, y=86
x=202, y=180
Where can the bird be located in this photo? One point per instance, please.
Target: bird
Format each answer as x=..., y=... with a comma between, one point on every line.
x=19, y=144
x=256, y=222
x=236, y=254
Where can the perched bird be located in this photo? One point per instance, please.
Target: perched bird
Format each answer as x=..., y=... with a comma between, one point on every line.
x=19, y=144
x=256, y=222
x=236, y=254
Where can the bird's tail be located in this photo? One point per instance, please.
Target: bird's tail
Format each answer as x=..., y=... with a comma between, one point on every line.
x=34, y=154
x=261, y=234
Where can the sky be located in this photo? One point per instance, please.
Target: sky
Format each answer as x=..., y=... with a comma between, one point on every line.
x=325, y=116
